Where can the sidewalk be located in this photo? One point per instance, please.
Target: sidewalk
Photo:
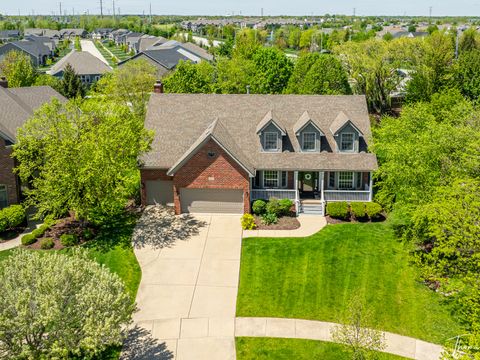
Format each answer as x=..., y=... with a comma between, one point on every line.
x=309, y=225
x=318, y=330
x=10, y=244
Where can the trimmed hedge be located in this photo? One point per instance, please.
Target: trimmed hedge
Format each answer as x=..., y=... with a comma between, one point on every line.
x=28, y=239
x=338, y=210
x=68, y=240
x=47, y=243
x=285, y=206
x=11, y=217
x=357, y=209
x=374, y=210
x=273, y=207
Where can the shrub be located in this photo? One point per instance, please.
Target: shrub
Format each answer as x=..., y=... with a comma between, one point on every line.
x=269, y=219
x=68, y=239
x=338, y=210
x=11, y=217
x=88, y=234
x=400, y=220
x=358, y=210
x=258, y=207
x=374, y=210
x=285, y=206
x=248, y=222
x=47, y=243
x=28, y=239
x=38, y=232
x=273, y=207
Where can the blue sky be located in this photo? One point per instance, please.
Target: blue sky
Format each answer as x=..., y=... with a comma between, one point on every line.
x=249, y=7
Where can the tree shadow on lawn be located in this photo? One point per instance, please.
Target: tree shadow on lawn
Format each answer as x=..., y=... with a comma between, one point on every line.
x=140, y=345
x=159, y=227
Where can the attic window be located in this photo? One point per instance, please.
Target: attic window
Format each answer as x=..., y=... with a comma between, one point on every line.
x=271, y=141
x=346, y=142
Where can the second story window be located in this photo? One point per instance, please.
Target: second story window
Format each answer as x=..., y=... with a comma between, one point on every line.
x=271, y=141
x=309, y=140
x=347, y=142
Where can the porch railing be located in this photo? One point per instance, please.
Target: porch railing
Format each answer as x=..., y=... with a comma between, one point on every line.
x=275, y=193
x=346, y=195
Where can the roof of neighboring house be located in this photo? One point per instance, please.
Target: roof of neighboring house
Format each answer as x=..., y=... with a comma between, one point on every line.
x=409, y=34
x=34, y=48
x=190, y=47
x=182, y=121
x=166, y=57
x=82, y=62
x=75, y=32
x=146, y=42
x=19, y=104
x=6, y=34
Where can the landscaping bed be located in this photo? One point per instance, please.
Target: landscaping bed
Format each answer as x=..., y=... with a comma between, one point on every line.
x=13, y=221
x=354, y=212
x=273, y=214
x=284, y=223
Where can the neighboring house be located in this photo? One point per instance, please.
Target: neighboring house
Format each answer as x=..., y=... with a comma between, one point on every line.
x=165, y=57
x=18, y=105
x=407, y=34
x=87, y=66
x=101, y=33
x=35, y=47
x=118, y=35
x=9, y=35
x=148, y=41
x=131, y=40
x=73, y=33
x=218, y=153
x=52, y=34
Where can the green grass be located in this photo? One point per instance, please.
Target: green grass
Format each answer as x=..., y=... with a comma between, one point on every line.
x=315, y=277
x=105, y=54
x=287, y=349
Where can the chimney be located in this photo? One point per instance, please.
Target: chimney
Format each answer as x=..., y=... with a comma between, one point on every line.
x=158, y=87
x=3, y=82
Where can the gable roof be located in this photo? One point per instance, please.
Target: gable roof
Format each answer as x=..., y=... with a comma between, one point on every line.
x=179, y=120
x=166, y=57
x=19, y=104
x=268, y=119
x=340, y=122
x=82, y=62
x=34, y=48
x=147, y=42
x=218, y=133
x=303, y=121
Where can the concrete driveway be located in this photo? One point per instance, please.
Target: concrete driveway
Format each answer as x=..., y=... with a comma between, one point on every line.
x=187, y=296
x=89, y=46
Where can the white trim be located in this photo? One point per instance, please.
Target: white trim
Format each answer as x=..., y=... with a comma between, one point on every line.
x=353, y=142
x=278, y=179
x=265, y=141
x=314, y=141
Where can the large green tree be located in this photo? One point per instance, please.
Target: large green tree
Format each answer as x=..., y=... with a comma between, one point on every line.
x=17, y=67
x=58, y=306
x=467, y=74
x=272, y=71
x=71, y=86
x=81, y=159
x=190, y=78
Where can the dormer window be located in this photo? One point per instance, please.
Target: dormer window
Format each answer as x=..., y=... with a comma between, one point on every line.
x=271, y=141
x=347, y=142
x=309, y=141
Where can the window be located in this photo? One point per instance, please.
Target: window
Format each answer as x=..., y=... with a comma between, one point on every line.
x=346, y=142
x=271, y=141
x=270, y=179
x=309, y=140
x=331, y=180
x=345, y=180
x=284, y=179
x=3, y=196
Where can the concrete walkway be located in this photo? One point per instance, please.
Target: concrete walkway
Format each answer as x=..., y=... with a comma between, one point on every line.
x=187, y=295
x=10, y=244
x=309, y=225
x=89, y=46
x=318, y=330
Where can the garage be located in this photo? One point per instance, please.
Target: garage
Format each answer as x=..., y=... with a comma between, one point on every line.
x=159, y=192
x=223, y=201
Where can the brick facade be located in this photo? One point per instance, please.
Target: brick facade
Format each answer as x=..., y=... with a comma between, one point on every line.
x=202, y=171
x=7, y=177
x=151, y=174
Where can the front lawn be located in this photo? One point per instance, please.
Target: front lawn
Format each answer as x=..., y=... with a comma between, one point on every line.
x=315, y=277
x=298, y=349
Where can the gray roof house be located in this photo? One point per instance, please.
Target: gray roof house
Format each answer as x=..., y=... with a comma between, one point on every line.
x=18, y=105
x=88, y=67
x=8, y=35
x=219, y=153
x=38, y=48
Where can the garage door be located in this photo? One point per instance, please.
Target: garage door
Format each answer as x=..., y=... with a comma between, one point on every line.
x=159, y=192
x=211, y=201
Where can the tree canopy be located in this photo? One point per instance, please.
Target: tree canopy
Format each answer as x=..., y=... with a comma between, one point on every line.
x=17, y=67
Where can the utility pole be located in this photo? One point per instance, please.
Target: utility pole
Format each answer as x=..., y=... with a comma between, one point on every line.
x=430, y=14
x=113, y=6
x=60, y=13
x=101, y=9
x=261, y=12
x=150, y=13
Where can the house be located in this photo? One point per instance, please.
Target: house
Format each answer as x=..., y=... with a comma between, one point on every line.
x=101, y=33
x=88, y=67
x=38, y=48
x=149, y=41
x=218, y=153
x=49, y=33
x=9, y=35
x=411, y=35
x=72, y=33
x=18, y=105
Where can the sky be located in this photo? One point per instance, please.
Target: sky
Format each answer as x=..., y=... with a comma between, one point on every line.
x=248, y=7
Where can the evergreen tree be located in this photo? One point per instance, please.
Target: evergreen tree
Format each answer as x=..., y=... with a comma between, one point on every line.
x=71, y=85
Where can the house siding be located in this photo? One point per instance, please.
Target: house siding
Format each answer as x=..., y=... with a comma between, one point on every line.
x=273, y=129
x=7, y=177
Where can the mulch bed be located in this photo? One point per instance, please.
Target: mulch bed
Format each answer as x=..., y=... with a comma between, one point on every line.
x=352, y=220
x=284, y=223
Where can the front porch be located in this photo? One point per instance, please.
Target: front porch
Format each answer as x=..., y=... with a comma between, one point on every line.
x=311, y=189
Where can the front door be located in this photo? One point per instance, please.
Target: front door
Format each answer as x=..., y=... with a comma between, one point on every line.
x=308, y=183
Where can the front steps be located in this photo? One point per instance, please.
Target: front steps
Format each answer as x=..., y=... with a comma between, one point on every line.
x=312, y=207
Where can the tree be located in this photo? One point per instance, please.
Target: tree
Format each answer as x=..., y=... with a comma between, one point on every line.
x=49, y=80
x=356, y=332
x=82, y=160
x=468, y=41
x=233, y=76
x=190, y=78
x=71, y=86
x=272, y=71
x=467, y=73
x=129, y=85
x=17, y=67
x=58, y=305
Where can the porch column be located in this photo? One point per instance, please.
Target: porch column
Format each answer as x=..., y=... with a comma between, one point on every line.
x=322, y=185
x=370, y=188
x=295, y=183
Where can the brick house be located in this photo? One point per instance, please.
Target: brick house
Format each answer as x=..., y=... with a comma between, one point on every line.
x=17, y=106
x=218, y=153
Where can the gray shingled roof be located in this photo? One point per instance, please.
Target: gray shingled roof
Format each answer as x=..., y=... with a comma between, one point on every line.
x=19, y=104
x=179, y=120
x=267, y=119
x=304, y=120
x=83, y=62
x=341, y=121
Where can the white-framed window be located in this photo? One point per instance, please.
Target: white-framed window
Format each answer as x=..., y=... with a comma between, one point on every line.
x=345, y=180
x=3, y=196
x=270, y=179
x=309, y=141
x=347, y=141
x=271, y=141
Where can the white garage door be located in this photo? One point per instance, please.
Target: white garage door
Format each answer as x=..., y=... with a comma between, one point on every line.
x=211, y=201
x=159, y=192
